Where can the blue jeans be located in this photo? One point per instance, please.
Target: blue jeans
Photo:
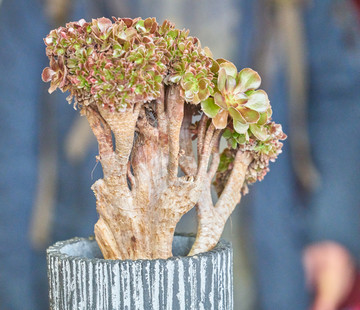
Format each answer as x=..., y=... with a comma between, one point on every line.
x=284, y=221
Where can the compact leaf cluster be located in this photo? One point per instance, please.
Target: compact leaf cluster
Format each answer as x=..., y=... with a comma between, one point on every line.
x=149, y=91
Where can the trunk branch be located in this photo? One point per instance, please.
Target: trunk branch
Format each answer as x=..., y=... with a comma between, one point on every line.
x=187, y=159
x=122, y=125
x=161, y=117
x=131, y=177
x=211, y=137
x=214, y=164
x=175, y=115
x=100, y=129
x=212, y=219
x=201, y=133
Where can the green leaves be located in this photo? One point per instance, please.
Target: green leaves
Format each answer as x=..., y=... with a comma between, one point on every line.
x=240, y=127
x=258, y=101
x=220, y=120
x=115, y=63
x=209, y=107
x=248, y=79
x=125, y=61
x=235, y=94
x=259, y=132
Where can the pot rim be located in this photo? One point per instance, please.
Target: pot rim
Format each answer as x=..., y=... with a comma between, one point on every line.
x=55, y=251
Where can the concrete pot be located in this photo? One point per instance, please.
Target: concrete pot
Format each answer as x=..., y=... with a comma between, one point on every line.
x=80, y=279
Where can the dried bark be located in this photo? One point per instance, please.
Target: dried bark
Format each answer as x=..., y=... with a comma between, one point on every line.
x=141, y=198
x=212, y=219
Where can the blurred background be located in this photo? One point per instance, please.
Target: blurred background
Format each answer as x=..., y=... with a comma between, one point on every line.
x=308, y=54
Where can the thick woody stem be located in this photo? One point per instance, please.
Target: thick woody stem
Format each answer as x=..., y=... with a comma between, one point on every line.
x=131, y=176
x=100, y=129
x=145, y=160
x=201, y=133
x=211, y=137
x=174, y=202
x=187, y=159
x=122, y=125
x=161, y=117
x=214, y=163
x=175, y=115
x=231, y=195
x=212, y=219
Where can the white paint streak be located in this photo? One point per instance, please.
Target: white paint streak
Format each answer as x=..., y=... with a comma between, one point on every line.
x=170, y=285
x=138, y=292
x=228, y=272
x=211, y=293
x=181, y=294
x=203, y=262
x=79, y=285
x=125, y=277
x=148, y=279
x=115, y=287
x=155, y=287
x=91, y=285
x=220, y=282
x=68, y=288
x=192, y=283
x=105, y=289
x=83, y=270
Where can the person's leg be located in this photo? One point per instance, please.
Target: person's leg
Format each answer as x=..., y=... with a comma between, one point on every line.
x=278, y=225
x=21, y=61
x=334, y=122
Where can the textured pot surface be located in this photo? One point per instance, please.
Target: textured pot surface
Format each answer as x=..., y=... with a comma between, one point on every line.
x=80, y=279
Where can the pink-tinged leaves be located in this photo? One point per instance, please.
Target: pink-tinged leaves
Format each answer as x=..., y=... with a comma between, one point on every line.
x=230, y=84
x=248, y=79
x=214, y=66
x=101, y=54
x=229, y=68
x=140, y=26
x=52, y=88
x=258, y=101
x=240, y=98
x=240, y=127
x=220, y=101
x=104, y=24
x=221, y=119
x=221, y=80
x=208, y=52
x=203, y=93
x=249, y=115
x=263, y=119
x=209, y=107
x=259, y=132
x=82, y=22
x=47, y=74
x=236, y=115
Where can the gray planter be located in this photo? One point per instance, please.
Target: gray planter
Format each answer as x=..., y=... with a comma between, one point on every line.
x=80, y=279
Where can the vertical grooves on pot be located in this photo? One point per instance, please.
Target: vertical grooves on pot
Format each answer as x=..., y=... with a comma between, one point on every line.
x=201, y=282
x=115, y=287
x=169, y=285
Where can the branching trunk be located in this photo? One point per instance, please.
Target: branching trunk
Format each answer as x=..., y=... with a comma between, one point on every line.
x=187, y=159
x=175, y=115
x=141, y=198
x=212, y=219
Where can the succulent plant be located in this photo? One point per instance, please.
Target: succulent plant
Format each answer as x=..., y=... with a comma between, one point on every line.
x=125, y=62
x=236, y=95
x=140, y=84
x=263, y=152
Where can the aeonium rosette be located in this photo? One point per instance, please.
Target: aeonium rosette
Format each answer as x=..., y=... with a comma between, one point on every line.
x=236, y=94
x=262, y=152
x=118, y=63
